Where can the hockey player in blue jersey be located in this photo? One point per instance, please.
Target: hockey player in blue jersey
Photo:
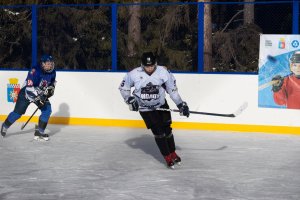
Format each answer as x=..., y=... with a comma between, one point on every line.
x=38, y=88
x=151, y=82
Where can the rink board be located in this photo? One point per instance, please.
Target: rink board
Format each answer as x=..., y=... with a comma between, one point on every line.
x=93, y=98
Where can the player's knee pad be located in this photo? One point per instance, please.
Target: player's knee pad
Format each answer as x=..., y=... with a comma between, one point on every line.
x=160, y=136
x=168, y=131
x=158, y=132
x=12, y=117
x=169, y=136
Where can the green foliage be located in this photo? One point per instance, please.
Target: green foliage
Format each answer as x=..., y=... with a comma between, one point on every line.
x=81, y=39
x=169, y=31
x=237, y=49
x=15, y=38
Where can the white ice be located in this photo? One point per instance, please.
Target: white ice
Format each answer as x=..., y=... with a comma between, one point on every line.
x=109, y=163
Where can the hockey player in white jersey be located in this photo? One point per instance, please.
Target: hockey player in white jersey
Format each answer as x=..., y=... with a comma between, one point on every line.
x=151, y=82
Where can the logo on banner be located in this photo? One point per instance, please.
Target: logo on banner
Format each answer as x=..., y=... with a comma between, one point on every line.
x=281, y=44
x=13, y=89
x=295, y=43
x=268, y=43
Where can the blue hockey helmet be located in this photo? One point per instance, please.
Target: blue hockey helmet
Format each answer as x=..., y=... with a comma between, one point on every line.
x=47, y=63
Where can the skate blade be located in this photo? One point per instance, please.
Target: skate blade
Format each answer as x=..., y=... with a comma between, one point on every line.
x=178, y=163
x=171, y=167
x=38, y=138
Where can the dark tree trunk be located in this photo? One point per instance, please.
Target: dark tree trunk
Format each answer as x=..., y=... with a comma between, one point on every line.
x=207, y=37
x=134, y=29
x=249, y=12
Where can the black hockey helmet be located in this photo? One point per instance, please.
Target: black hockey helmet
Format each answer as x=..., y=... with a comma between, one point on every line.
x=148, y=58
x=294, y=63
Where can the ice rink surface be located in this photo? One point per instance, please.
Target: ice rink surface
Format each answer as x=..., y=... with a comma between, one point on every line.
x=109, y=163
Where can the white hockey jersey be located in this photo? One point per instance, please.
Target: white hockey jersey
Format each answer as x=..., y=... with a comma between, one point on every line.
x=149, y=90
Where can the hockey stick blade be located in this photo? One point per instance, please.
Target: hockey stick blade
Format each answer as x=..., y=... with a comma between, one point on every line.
x=23, y=126
x=239, y=111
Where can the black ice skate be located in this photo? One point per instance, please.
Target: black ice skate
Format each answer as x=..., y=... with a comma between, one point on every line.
x=169, y=161
x=3, y=130
x=40, y=136
x=176, y=159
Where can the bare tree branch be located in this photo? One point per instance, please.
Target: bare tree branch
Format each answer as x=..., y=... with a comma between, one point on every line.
x=228, y=23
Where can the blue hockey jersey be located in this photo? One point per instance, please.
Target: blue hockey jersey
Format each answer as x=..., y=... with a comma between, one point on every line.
x=37, y=80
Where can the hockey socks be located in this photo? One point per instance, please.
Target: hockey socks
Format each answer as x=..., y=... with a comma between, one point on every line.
x=171, y=142
x=163, y=145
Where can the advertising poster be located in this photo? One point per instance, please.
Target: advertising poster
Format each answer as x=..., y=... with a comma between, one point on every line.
x=279, y=71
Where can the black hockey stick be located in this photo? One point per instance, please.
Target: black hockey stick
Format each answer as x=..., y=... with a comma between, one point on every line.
x=23, y=126
x=236, y=113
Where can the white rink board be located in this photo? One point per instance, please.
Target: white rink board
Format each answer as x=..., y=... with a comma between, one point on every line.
x=96, y=95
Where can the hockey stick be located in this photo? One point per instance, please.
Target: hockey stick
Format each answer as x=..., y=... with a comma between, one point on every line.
x=265, y=85
x=236, y=113
x=23, y=126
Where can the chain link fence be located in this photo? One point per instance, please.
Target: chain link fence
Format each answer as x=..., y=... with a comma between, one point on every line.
x=236, y=44
x=15, y=37
x=170, y=31
x=86, y=37
x=78, y=37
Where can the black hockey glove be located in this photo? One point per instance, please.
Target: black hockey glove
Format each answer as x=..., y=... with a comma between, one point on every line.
x=184, y=109
x=49, y=91
x=40, y=101
x=277, y=83
x=133, y=104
